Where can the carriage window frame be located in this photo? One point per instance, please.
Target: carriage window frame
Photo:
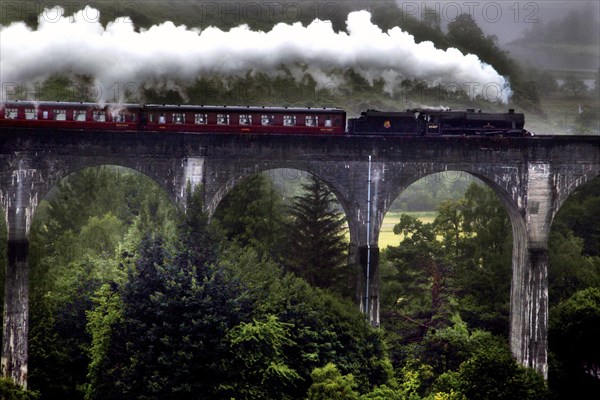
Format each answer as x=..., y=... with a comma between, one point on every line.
x=11, y=113
x=222, y=119
x=99, y=116
x=267, y=119
x=77, y=115
x=245, y=119
x=31, y=114
x=289, y=120
x=59, y=114
x=200, y=119
x=178, y=118
x=119, y=117
x=311, y=120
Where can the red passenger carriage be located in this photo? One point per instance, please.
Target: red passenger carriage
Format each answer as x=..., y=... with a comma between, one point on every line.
x=63, y=115
x=174, y=118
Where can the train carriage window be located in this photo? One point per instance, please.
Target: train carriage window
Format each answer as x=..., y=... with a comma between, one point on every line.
x=60, y=115
x=10, y=113
x=245, y=119
x=126, y=116
x=200, y=119
x=222, y=119
x=99, y=116
x=289, y=120
x=162, y=119
x=79, y=115
x=45, y=115
x=178, y=118
x=267, y=120
x=30, y=113
x=328, y=121
x=312, y=120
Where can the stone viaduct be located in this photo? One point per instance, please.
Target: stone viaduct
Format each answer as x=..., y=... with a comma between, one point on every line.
x=532, y=176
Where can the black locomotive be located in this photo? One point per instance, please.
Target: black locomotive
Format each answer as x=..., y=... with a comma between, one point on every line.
x=429, y=122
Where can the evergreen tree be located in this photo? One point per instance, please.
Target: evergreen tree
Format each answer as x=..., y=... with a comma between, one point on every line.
x=176, y=312
x=317, y=246
x=252, y=215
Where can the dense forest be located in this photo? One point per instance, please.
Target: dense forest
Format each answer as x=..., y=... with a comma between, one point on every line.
x=132, y=297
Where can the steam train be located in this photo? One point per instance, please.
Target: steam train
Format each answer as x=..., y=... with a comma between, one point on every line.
x=257, y=120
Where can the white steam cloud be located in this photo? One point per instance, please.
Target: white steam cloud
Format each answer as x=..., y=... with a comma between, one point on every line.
x=165, y=54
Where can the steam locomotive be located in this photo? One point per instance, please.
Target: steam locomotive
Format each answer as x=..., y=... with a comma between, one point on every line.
x=257, y=120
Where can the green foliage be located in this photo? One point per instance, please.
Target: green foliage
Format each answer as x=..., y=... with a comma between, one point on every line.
x=569, y=270
x=424, y=267
x=574, y=243
x=197, y=242
x=573, y=334
x=493, y=374
x=250, y=331
x=316, y=242
x=10, y=391
x=252, y=214
x=464, y=256
x=581, y=208
x=105, y=321
x=323, y=327
x=260, y=347
x=330, y=384
x=171, y=321
x=484, y=270
x=383, y=392
x=446, y=349
x=74, y=251
x=455, y=363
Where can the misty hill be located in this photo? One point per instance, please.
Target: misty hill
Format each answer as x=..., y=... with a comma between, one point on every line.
x=571, y=42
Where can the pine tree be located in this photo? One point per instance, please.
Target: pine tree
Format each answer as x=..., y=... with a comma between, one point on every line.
x=177, y=308
x=251, y=214
x=317, y=245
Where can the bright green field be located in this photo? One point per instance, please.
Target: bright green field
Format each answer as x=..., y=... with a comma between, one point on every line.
x=387, y=237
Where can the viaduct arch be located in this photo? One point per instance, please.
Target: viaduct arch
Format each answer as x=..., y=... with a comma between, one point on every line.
x=532, y=176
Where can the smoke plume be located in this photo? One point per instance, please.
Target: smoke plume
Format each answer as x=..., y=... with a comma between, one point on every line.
x=116, y=55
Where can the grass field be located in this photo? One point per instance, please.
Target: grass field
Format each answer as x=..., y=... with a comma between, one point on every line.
x=387, y=237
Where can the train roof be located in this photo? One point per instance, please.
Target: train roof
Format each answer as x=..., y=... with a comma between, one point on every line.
x=34, y=103
x=238, y=108
x=172, y=107
x=433, y=111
